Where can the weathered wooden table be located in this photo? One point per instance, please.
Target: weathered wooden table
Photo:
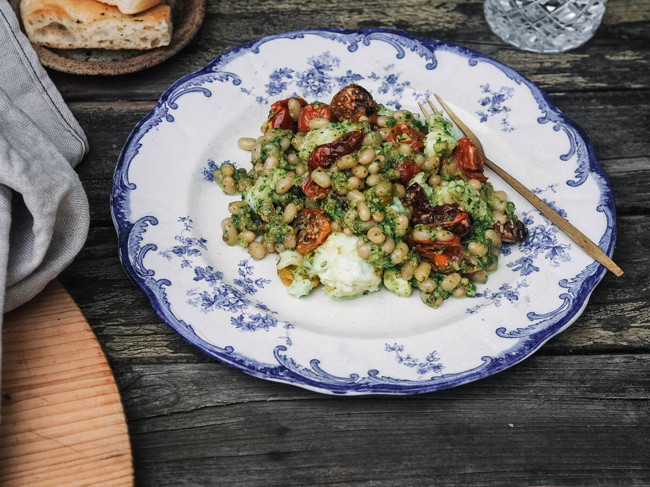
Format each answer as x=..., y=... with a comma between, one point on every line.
x=576, y=413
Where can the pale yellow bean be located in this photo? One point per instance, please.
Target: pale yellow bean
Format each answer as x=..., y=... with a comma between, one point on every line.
x=364, y=250
x=434, y=180
x=247, y=236
x=430, y=163
x=257, y=250
x=235, y=207
x=374, y=168
x=494, y=236
x=400, y=190
x=499, y=217
x=300, y=169
x=478, y=276
x=383, y=188
x=355, y=183
x=376, y=235
x=348, y=161
x=364, y=212
x=293, y=158
x=294, y=108
x=450, y=281
x=476, y=184
x=230, y=234
x=422, y=271
x=420, y=235
x=318, y=123
x=382, y=120
x=356, y=195
x=289, y=213
x=373, y=180
x=401, y=225
x=285, y=183
x=229, y=185
x=444, y=235
x=405, y=150
x=502, y=195
x=399, y=115
x=246, y=143
x=366, y=156
x=428, y=285
x=321, y=178
x=400, y=254
x=271, y=163
x=350, y=216
x=389, y=245
x=407, y=270
x=479, y=249
x=360, y=171
x=225, y=222
x=290, y=241
x=459, y=292
x=379, y=216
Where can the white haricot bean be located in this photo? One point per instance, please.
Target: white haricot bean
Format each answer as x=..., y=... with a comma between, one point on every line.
x=257, y=250
x=318, y=123
x=428, y=285
x=355, y=183
x=366, y=156
x=356, y=195
x=230, y=234
x=271, y=163
x=444, y=235
x=478, y=276
x=364, y=250
x=246, y=143
x=383, y=188
x=285, y=183
x=270, y=247
x=285, y=143
x=419, y=159
x=376, y=235
x=379, y=216
x=360, y=171
x=430, y=163
x=434, y=180
x=290, y=241
x=293, y=158
x=407, y=270
x=235, y=207
x=247, y=236
x=374, y=168
x=405, y=150
x=502, y=195
x=499, y=217
x=350, y=216
x=389, y=245
x=373, y=179
x=400, y=254
x=450, y=281
x=399, y=115
x=321, y=178
x=370, y=138
x=226, y=221
x=479, y=249
x=289, y=213
x=384, y=131
x=364, y=212
x=422, y=271
x=494, y=236
x=348, y=232
x=229, y=185
x=499, y=206
x=348, y=161
x=475, y=183
x=401, y=225
x=294, y=108
x=382, y=120
x=420, y=235
x=300, y=169
x=459, y=292
x=400, y=190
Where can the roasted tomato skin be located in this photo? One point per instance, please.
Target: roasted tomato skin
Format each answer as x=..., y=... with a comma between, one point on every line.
x=313, y=228
x=469, y=159
x=312, y=190
x=447, y=216
x=280, y=116
x=406, y=170
x=312, y=111
x=402, y=133
x=326, y=154
x=439, y=254
x=352, y=103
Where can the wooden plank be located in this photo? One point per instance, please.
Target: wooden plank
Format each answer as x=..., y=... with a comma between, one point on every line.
x=616, y=58
x=547, y=421
x=62, y=418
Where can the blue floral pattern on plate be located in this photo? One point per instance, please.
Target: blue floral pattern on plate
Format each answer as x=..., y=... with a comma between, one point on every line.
x=167, y=209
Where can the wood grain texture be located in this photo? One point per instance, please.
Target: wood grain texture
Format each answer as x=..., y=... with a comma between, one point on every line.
x=574, y=414
x=62, y=418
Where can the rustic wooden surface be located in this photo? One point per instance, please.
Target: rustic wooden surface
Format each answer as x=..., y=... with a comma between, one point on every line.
x=63, y=423
x=576, y=413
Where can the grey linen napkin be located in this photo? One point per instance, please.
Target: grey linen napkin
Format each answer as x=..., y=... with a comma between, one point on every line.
x=44, y=215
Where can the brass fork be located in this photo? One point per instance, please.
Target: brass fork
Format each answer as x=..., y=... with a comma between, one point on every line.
x=572, y=232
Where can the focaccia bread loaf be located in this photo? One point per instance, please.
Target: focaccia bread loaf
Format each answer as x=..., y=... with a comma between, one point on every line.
x=74, y=24
x=132, y=6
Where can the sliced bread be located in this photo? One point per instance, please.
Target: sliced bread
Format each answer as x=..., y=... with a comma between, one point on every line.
x=74, y=24
x=132, y=6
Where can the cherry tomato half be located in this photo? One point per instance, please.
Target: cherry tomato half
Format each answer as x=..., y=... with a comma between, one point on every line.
x=405, y=134
x=312, y=111
x=313, y=228
x=469, y=160
x=280, y=116
x=406, y=170
x=312, y=190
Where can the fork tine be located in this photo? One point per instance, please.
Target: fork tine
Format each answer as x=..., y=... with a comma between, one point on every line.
x=433, y=107
x=424, y=110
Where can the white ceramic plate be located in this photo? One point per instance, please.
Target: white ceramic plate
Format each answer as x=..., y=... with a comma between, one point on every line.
x=168, y=210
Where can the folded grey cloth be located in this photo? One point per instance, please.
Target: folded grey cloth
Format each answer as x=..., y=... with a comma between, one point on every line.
x=44, y=215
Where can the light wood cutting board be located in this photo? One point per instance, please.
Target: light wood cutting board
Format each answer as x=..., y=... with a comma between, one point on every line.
x=62, y=422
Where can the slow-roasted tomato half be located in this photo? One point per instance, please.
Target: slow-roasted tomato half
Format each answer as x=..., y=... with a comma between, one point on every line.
x=439, y=254
x=352, y=103
x=312, y=228
x=405, y=134
x=469, y=159
x=312, y=190
x=406, y=170
x=312, y=111
x=447, y=216
x=280, y=116
x=325, y=155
